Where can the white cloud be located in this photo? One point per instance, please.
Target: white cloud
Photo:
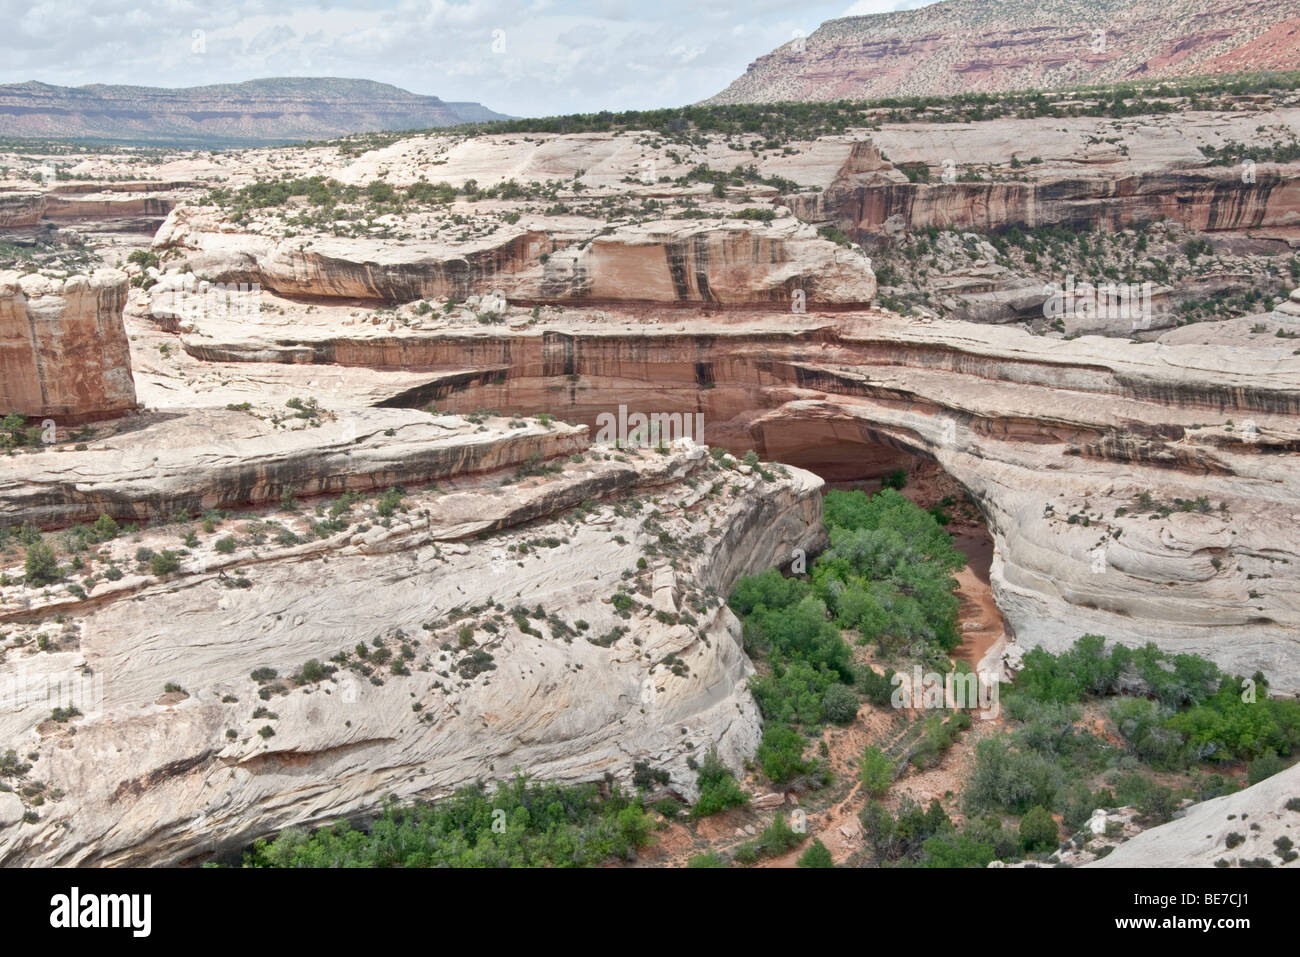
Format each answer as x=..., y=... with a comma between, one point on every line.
x=560, y=55
x=865, y=7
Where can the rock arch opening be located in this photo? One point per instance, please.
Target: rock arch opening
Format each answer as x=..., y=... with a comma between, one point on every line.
x=845, y=450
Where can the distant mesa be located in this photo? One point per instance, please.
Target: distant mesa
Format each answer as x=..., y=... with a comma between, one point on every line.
x=255, y=113
x=977, y=46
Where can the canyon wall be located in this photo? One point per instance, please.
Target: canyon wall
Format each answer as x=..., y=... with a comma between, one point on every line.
x=221, y=458
x=21, y=207
x=63, y=349
x=1213, y=199
x=1178, y=453
x=653, y=262
x=84, y=203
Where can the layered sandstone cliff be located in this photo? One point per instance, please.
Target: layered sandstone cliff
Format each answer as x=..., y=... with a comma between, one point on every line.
x=1141, y=491
x=63, y=349
x=543, y=260
x=82, y=204
x=1211, y=200
x=222, y=458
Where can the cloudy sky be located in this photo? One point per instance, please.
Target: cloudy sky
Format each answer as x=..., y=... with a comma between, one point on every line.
x=525, y=57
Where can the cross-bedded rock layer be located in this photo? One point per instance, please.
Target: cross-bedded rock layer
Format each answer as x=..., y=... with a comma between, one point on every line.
x=550, y=678
x=1145, y=491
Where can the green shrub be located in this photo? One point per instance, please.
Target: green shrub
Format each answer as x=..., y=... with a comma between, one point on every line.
x=390, y=502
x=956, y=850
x=105, y=528
x=313, y=671
x=777, y=838
x=1080, y=802
x=40, y=567
x=1004, y=779
x=707, y=859
x=719, y=789
x=887, y=573
x=877, y=688
x=840, y=704
x=875, y=771
x=1225, y=726
x=1265, y=766
x=816, y=856
x=938, y=735
x=780, y=754
x=164, y=563
x=1143, y=723
x=990, y=830
x=1038, y=831
x=520, y=824
x=1159, y=805
x=902, y=837
x=792, y=693
x=1066, y=678
x=769, y=589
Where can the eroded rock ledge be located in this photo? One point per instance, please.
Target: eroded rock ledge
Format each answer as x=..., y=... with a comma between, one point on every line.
x=1144, y=491
x=191, y=461
x=540, y=260
x=154, y=777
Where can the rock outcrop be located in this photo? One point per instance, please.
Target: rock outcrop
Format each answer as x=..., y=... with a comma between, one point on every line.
x=550, y=677
x=540, y=261
x=1144, y=491
x=21, y=207
x=1069, y=447
x=1208, y=200
x=1077, y=173
x=143, y=205
x=489, y=586
x=219, y=459
x=1235, y=830
x=63, y=349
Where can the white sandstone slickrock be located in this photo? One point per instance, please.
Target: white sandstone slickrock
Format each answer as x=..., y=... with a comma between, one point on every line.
x=1199, y=837
x=148, y=779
